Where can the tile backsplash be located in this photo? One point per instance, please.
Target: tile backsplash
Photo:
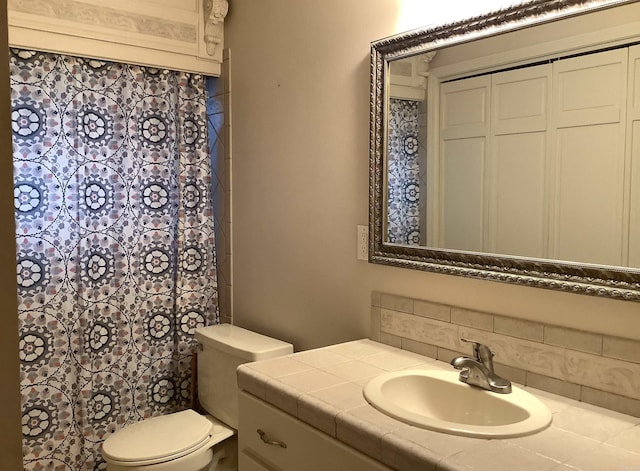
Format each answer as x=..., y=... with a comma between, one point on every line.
x=590, y=367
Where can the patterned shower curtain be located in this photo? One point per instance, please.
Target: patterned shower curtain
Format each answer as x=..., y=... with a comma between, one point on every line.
x=403, y=197
x=115, y=247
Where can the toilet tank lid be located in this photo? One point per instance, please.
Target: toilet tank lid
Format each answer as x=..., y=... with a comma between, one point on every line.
x=242, y=343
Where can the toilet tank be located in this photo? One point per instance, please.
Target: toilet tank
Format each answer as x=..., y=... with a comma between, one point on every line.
x=224, y=348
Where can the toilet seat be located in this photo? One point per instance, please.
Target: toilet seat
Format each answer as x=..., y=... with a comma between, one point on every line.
x=163, y=438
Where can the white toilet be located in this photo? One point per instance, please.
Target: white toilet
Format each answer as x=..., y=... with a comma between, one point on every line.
x=186, y=440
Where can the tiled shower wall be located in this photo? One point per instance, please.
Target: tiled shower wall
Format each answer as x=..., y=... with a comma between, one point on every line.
x=218, y=110
x=590, y=367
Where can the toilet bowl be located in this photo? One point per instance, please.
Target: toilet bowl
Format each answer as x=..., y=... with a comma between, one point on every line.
x=180, y=441
x=187, y=440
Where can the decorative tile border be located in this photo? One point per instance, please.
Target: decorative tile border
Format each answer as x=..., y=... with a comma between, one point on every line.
x=590, y=367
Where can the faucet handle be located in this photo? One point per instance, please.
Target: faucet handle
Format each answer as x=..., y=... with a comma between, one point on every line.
x=475, y=345
x=481, y=352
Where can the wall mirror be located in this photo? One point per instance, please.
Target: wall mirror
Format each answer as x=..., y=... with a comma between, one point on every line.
x=507, y=147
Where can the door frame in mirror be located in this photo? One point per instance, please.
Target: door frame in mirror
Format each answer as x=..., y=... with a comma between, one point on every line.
x=606, y=281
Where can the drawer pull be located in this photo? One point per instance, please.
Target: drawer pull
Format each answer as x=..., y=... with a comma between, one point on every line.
x=268, y=441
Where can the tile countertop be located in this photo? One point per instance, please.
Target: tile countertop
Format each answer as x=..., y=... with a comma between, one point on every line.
x=323, y=387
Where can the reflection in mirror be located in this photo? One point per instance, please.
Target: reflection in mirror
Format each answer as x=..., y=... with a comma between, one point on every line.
x=406, y=158
x=519, y=143
x=508, y=140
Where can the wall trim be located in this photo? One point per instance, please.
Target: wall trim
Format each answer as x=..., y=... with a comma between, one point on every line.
x=173, y=34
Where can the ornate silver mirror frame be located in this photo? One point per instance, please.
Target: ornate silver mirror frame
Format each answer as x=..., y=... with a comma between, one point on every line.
x=607, y=281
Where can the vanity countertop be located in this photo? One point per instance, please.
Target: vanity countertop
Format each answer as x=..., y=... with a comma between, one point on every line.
x=323, y=388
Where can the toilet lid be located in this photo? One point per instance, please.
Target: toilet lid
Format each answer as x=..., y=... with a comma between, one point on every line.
x=158, y=438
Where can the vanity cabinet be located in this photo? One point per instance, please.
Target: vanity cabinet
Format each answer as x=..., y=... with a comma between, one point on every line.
x=306, y=447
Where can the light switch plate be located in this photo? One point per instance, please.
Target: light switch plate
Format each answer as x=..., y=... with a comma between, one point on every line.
x=363, y=243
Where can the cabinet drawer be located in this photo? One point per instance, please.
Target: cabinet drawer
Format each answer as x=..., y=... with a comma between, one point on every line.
x=247, y=462
x=306, y=447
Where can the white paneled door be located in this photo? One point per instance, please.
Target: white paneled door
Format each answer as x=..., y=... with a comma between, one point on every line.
x=539, y=161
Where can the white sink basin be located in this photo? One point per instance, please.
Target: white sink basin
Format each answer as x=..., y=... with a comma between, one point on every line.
x=437, y=400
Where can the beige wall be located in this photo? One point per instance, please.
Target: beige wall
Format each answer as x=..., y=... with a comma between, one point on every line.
x=300, y=118
x=10, y=436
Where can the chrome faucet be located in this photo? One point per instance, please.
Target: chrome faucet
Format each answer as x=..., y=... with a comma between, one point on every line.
x=478, y=371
